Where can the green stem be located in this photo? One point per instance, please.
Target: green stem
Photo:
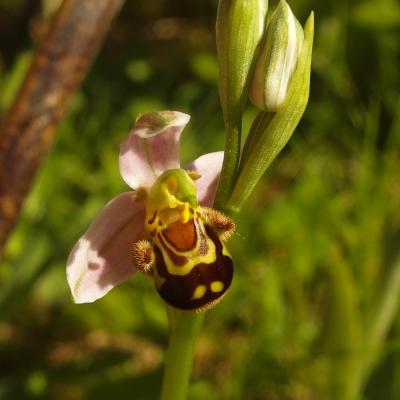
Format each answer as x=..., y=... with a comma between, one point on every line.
x=378, y=328
x=230, y=165
x=344, y=331
x=184, y=327
x=383, y=318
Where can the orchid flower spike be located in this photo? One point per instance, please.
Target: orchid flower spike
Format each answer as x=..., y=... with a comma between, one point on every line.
x=163, y=228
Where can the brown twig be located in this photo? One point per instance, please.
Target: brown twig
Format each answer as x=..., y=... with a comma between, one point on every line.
x=58, y=68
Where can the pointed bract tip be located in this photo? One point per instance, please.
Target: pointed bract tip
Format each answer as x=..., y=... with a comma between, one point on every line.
x=310, y=22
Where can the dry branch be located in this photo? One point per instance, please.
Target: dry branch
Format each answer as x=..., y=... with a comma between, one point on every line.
x=58, y=68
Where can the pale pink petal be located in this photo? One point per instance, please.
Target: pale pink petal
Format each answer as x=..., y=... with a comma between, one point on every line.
x=209, y=167
x=151, y=147
x=101, y=259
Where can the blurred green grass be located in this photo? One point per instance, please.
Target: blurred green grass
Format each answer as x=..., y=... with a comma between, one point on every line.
x=315, y=244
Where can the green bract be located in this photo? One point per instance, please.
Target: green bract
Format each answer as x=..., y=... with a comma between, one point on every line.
x=271, y=131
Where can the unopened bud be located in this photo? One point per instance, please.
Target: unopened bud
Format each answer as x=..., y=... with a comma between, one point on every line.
x=277, y=59
x=239, y=29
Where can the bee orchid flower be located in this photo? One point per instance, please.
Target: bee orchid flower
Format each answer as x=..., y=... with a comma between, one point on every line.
x=164, y=227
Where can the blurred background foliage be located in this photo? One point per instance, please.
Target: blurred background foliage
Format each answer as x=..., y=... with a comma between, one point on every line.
x=312, y=310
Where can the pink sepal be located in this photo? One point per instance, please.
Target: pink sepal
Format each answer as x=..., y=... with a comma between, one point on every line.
x=101, y=259
x=151, y=147
x=209, y=167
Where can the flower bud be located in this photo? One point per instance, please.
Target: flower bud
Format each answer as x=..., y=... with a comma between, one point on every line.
x=277, y=59
x=239, y=29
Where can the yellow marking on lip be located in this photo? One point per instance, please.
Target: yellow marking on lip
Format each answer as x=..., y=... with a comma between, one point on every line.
x=185, y=215
x=225, y=251
x=217, y=286
x=193, y=257
x=199, y=292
